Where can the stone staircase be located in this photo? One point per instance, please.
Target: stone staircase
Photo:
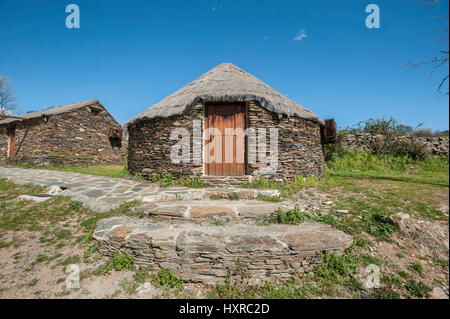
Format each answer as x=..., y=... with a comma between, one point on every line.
x=207, y=235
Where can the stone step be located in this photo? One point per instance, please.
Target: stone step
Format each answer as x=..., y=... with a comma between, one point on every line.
x=214, y=209
x=226, y=180
x=184, y=193
x=209, y=254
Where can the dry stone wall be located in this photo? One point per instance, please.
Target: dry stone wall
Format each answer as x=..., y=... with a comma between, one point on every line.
x=364, y=141
x=299, y=144
x=65, y=139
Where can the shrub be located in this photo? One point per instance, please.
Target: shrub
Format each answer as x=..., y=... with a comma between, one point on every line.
x=291, y=217
x=417, y=267
x=418, y=289
x=167, y=179
x=336, y=149
x=189, y=182
x=392, y=145
x=380, y=225
x=336, y=267
x=122, y=261
x=75, y=205
x=385, y=293
x=166, y=278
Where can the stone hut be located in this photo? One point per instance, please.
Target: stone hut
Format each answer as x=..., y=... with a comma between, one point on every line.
x=77, y=133
x=197, y=131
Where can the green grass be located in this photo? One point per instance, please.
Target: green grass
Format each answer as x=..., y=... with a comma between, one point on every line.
x=432, y=170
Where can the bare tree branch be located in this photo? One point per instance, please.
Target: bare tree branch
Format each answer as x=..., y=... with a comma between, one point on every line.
x=438, y=61
x=7, y=100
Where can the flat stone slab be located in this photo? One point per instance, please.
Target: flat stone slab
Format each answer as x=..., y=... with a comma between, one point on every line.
x=208, y=253
x=231, y=209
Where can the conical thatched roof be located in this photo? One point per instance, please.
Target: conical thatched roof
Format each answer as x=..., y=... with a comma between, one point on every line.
x=224, y=83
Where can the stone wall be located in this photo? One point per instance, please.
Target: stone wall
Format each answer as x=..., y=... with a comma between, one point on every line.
x=364, y=141
x=299, y=144
x=210, y=254
x=67, y=138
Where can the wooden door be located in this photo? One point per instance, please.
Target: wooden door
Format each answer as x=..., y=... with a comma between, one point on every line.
x=12, y=140
x=225, y=139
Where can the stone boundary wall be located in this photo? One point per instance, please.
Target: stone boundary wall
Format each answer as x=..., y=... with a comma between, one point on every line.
x=299, y=144
x=364, y=141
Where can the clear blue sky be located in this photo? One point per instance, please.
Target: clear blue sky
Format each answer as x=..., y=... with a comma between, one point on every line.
x=132, y=54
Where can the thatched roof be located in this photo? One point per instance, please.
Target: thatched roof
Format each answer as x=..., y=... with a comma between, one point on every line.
x=224, y=83
x=52, y=111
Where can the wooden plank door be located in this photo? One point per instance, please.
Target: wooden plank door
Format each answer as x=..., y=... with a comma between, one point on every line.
x=12, y=140
x=225, y=139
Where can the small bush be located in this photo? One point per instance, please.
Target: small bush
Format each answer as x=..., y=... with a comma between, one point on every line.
x=189, y=182
x=122, y=261
x=75, y=205
x=418, y=289
x=166, y=278
x=385, y=293
x=291, y=217
x=417, y=267
x=337, y=267
x=155, y=178
x=380, y=225
x=167, y=179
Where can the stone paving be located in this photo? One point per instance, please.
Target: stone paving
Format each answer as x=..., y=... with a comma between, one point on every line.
x=104, y=193
x=96, y=192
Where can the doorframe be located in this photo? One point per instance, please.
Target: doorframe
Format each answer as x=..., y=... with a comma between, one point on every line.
x=205, y=103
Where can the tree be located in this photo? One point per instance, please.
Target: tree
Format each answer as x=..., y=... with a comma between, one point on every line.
x=7, y=100
x=439, y=61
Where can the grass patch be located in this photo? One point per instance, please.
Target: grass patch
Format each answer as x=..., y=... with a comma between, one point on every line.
x=270, y=199
x=417, y=267
x=418, y=289
x=291, y=217
x=165, y=278
x=116, y=171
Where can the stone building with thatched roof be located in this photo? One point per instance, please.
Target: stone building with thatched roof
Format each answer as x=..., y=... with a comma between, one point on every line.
x=282, y=139
x=77, y=133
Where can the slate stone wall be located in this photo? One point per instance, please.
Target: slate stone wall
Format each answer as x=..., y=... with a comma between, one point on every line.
x=299, y=144
x=364, y=141
x=65, y=139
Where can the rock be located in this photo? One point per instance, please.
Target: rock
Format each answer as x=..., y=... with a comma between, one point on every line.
x=438, y=293
x=342, y=211
x=55, y=190
x=431, y=238
x=35, y=198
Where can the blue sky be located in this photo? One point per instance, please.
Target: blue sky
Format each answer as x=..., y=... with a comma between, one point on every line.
x=132, y=54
